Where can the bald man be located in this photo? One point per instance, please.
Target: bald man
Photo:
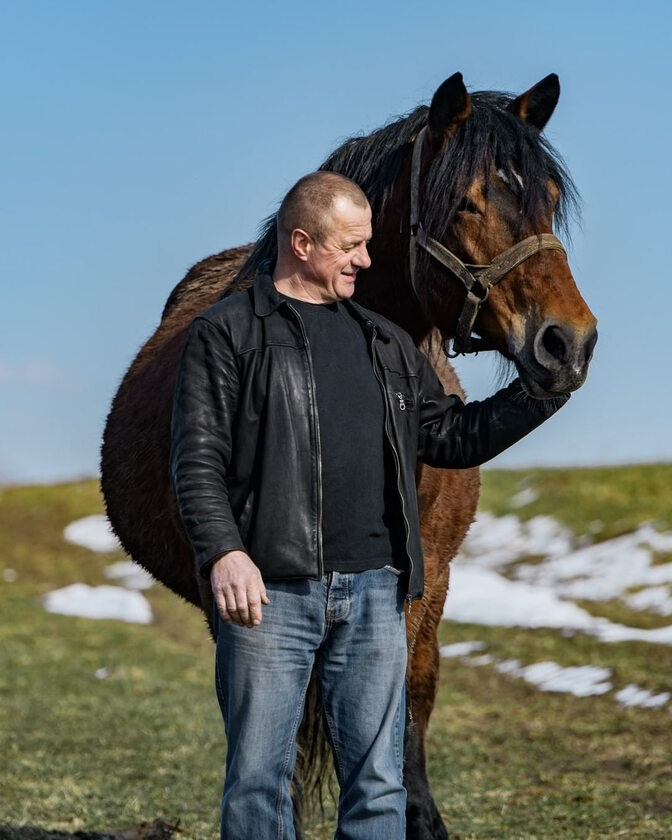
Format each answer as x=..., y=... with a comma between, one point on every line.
x=298, y=419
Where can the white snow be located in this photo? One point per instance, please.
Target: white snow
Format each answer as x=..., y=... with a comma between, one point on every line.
x=461, y=649
x=581, y=681
x=524, y=497
x=129, y=574
x=603, y=571
x=657, y=599
x=99, y=602
x=116, y=602
x=481, y=596
x=92, y=532
x=633, y=695
x=544, y=593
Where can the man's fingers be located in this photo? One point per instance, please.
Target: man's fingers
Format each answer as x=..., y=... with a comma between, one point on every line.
x=254, y=603
x=262, y=592
x=222, y=608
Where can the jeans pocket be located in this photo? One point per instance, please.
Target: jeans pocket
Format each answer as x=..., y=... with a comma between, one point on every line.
x=392, y=569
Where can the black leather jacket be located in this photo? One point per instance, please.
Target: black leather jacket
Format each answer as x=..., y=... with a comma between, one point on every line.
x=245, y=458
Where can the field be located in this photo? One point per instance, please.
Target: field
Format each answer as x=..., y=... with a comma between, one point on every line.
x=105, y=724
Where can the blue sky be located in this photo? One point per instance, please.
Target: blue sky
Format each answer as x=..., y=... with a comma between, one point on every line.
x=142, y=136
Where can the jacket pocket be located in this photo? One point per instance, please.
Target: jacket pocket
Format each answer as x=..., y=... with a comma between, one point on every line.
x=402, y=390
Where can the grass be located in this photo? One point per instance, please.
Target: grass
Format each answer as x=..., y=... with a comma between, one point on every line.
x=603, y=501
x=505, y=759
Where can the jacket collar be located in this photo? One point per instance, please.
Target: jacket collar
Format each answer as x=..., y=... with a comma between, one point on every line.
x=267, y=299
x=266, y=296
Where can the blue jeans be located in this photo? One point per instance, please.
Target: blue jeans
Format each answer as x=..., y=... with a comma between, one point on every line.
x=351, y=628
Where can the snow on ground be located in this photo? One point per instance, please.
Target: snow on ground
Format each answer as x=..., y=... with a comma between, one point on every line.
x=544, y=591
x=99, y=602
x=481, y=596
x=92, y=532
x=550, y=571
x=129, y=574
x=122, y=602
x=581, y=681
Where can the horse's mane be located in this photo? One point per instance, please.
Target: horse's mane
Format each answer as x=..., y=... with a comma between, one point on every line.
x=491, y=137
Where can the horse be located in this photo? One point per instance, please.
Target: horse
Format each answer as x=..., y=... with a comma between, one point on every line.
x=465, y=194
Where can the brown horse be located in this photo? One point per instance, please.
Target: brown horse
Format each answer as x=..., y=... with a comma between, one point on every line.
x=486, y=180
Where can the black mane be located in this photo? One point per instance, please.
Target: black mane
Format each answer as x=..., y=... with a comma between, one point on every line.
x=491, y=137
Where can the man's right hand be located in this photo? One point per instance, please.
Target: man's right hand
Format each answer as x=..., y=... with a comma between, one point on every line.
x=238, y=589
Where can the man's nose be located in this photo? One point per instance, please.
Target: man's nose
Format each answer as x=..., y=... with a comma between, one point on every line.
x=363, y=258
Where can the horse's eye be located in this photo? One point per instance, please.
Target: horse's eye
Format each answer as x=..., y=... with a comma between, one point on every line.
x=466, y=206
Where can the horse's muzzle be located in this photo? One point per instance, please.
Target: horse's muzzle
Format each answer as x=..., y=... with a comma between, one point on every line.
x=556, y=358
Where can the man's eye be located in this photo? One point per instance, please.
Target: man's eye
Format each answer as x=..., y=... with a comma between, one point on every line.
x=466, y=206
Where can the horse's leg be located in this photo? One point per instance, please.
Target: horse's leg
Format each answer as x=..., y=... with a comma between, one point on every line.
x=447, y=503
x=423, y=821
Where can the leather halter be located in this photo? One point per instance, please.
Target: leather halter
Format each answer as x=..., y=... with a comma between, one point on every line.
x=477, y=279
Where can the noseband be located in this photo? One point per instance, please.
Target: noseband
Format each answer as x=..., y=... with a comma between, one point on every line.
x=477, y=279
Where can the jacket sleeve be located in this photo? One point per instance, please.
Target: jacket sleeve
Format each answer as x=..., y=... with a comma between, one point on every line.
x=205, y=401
x=460, y=435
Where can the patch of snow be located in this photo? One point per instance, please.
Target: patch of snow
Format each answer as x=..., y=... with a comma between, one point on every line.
x=461, y=649
x=93, y=532
x=581, y=681
x=476, y=661
x=495, y=542
x=633, y=695
x=10, y=575
x=129, y=574
x=99, y=602
x=657, y=599
x=603, y=571
x=481, y=596
x=524, y=497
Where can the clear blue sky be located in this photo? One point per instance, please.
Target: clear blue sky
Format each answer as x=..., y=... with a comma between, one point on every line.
x=138, y=137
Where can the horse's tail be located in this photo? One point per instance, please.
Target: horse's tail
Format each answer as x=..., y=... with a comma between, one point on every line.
x=312, y=775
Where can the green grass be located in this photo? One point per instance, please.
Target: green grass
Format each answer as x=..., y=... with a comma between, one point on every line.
x=617, y=498
x=505, y=759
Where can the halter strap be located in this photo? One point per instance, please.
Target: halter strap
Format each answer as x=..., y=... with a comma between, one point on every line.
x=477, y=279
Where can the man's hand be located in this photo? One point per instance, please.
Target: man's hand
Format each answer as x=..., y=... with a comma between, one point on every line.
x=238, y=589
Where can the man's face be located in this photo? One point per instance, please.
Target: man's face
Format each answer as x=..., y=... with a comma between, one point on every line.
x=331, y=266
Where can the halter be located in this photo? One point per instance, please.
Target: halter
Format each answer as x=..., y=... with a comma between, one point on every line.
x=477, y=279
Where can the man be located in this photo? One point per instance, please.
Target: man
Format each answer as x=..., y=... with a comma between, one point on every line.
x=297, y=422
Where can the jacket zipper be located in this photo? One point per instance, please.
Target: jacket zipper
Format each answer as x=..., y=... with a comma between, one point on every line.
x=397, y=463
x=316, y=427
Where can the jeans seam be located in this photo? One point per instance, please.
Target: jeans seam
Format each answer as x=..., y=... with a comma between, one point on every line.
x=288, y=752
x=397, y=752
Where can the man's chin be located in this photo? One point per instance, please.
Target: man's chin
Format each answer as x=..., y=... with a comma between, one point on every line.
x=346, y=288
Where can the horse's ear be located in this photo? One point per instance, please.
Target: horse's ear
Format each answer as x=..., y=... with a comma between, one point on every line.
x=451, y=105
x=536, y=105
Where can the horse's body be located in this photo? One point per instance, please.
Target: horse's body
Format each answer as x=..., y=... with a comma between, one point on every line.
x=479, y=205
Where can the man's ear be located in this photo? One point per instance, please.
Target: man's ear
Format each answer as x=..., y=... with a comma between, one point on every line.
x=301, y=244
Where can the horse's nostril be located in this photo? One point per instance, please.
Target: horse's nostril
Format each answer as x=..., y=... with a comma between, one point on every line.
x=555, y=344
x=590, y=345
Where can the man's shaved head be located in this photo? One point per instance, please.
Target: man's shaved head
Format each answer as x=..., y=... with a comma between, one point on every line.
x=309, y=203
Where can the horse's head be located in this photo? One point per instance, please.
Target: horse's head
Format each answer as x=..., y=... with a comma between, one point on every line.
x=487, y=181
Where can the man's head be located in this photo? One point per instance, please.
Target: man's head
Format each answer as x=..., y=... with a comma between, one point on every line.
x=324, y=225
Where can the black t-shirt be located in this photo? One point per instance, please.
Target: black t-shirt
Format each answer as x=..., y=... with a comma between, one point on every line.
x=355, y=525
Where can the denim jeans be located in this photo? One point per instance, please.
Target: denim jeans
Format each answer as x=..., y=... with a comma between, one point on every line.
x=351, y=628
